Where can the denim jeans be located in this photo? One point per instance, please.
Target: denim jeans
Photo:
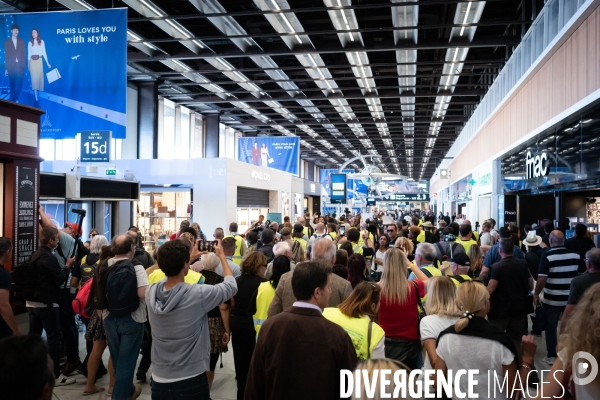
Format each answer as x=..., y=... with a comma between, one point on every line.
x=47, y=319
x=124, y=337
x=195, y=388
x=552, y=316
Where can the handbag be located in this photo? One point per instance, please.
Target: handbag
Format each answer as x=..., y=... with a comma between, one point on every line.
x=271, y=160
x=35, y=57
x=53, y=75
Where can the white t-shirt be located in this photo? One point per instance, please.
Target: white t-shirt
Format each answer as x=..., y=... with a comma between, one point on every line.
x=379, y=255
x=141, y=314
x=469, y=352
x=430, y=327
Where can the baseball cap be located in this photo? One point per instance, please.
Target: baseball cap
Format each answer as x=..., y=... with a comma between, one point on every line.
x=461, y=259
x=73, y=226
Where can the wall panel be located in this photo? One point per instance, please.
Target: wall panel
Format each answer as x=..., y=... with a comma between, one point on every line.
x=568, y=76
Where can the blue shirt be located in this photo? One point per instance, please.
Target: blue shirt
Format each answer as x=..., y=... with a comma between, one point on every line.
x=493, y=256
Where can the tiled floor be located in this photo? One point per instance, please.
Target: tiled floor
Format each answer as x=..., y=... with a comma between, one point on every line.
x=224, y=386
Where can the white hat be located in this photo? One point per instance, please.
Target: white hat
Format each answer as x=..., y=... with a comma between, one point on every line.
x=532, y=239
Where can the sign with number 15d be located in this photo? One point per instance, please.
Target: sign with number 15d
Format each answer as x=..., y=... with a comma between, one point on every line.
x=95, y=146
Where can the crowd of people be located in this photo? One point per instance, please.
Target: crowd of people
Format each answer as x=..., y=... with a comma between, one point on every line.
x=299, y=302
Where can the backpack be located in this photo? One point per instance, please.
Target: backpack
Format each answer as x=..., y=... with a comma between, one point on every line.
x=79, y=303
x=297, y=251
x=87, y=270
x=24, y=279
x=121, y=289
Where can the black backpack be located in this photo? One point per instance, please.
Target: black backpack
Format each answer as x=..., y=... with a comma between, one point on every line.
x=121, y=289
x=87, y=270
x=24, y=279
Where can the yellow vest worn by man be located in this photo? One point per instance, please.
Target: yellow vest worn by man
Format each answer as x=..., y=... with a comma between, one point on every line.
x=357, y=329
x=237, y=256
x=263, y=301
x=191, y=278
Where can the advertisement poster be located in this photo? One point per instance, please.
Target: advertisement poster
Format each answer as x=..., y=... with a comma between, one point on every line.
x=25, y=214
x=356, y=188
x=337, y=190
x=72, y=65
x=280, y=152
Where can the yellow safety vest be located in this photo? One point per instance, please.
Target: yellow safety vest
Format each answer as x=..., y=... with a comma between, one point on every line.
x=357, y=248
x=263, y=301
x=467, y=244
x=475, y=236
x=303, y=243
x=421, y=237
x=191, y=278
x=358, y=330
x=305, y=231
x=237, y=256
x=433, y=271
x=333, y=235
x=457, y=282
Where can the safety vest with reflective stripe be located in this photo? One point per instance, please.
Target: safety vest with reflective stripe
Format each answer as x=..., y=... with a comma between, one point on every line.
x=263, y=301
x=358, y=330
x=302, y=242
x=237, y=256
x=357, y=248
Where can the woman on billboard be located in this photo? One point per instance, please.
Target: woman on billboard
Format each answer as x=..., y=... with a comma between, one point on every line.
x=36, y=50
x=264, y=154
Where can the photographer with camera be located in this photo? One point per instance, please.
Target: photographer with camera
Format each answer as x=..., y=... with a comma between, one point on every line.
x=256, y=226
x=69, y=251
x=43, y=307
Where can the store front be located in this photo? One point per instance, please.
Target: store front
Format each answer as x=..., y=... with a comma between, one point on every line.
x=211, y=187
x=312, y=197
x=556, y=175
x=462, y=196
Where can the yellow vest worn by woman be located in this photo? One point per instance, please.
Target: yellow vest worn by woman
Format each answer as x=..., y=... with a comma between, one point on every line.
x=358, y=329
x=302, y=242
x=263, y=301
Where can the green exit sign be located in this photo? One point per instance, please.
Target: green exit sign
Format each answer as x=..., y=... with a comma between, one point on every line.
x=111, y=172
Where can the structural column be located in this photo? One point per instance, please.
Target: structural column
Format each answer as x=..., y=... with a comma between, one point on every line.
x=147, y=120
x=211, y=129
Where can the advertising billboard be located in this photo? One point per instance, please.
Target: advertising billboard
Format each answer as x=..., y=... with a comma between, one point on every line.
x=280, y=152
x=356, y=189
x=72, y=65
x=337, y=190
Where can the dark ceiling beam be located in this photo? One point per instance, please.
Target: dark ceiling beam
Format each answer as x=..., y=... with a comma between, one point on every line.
x=206, y=69
x=328, y=32
x=186, y=82
x=421, y=3
x=281, y=50
x=348, y=94
x=357, y=108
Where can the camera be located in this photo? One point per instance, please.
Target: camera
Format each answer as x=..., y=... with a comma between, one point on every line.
x=79, y=211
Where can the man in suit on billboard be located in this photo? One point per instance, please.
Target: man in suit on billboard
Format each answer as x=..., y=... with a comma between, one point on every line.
x=255, y=154
x=14, y=50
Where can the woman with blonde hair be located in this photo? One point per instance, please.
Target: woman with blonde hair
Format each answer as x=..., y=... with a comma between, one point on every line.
x=357, y=315
x=582, y=334
x=476, y=259
x=441, y=313
x=406, y=245
x=399, y=311
x=474, y=344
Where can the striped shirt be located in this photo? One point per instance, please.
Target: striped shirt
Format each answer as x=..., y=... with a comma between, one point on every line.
x=560, y=266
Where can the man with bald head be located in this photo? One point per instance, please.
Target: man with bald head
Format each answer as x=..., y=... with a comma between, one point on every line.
x=323, y=252
x=558, y=267
x=320, y=233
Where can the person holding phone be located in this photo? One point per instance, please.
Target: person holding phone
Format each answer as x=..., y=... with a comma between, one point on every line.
x=178, y=314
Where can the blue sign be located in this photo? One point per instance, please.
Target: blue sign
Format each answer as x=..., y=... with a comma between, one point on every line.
x=72, y=65
x=337, y=189
x=281, y=152
x=356, y=188
x=95, y=146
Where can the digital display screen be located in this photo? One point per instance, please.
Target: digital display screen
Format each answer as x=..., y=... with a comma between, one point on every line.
x=338, y=188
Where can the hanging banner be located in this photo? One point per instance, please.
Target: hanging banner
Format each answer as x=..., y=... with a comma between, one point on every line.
x=72, y=65
x=25, y=214
x=281, y=152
